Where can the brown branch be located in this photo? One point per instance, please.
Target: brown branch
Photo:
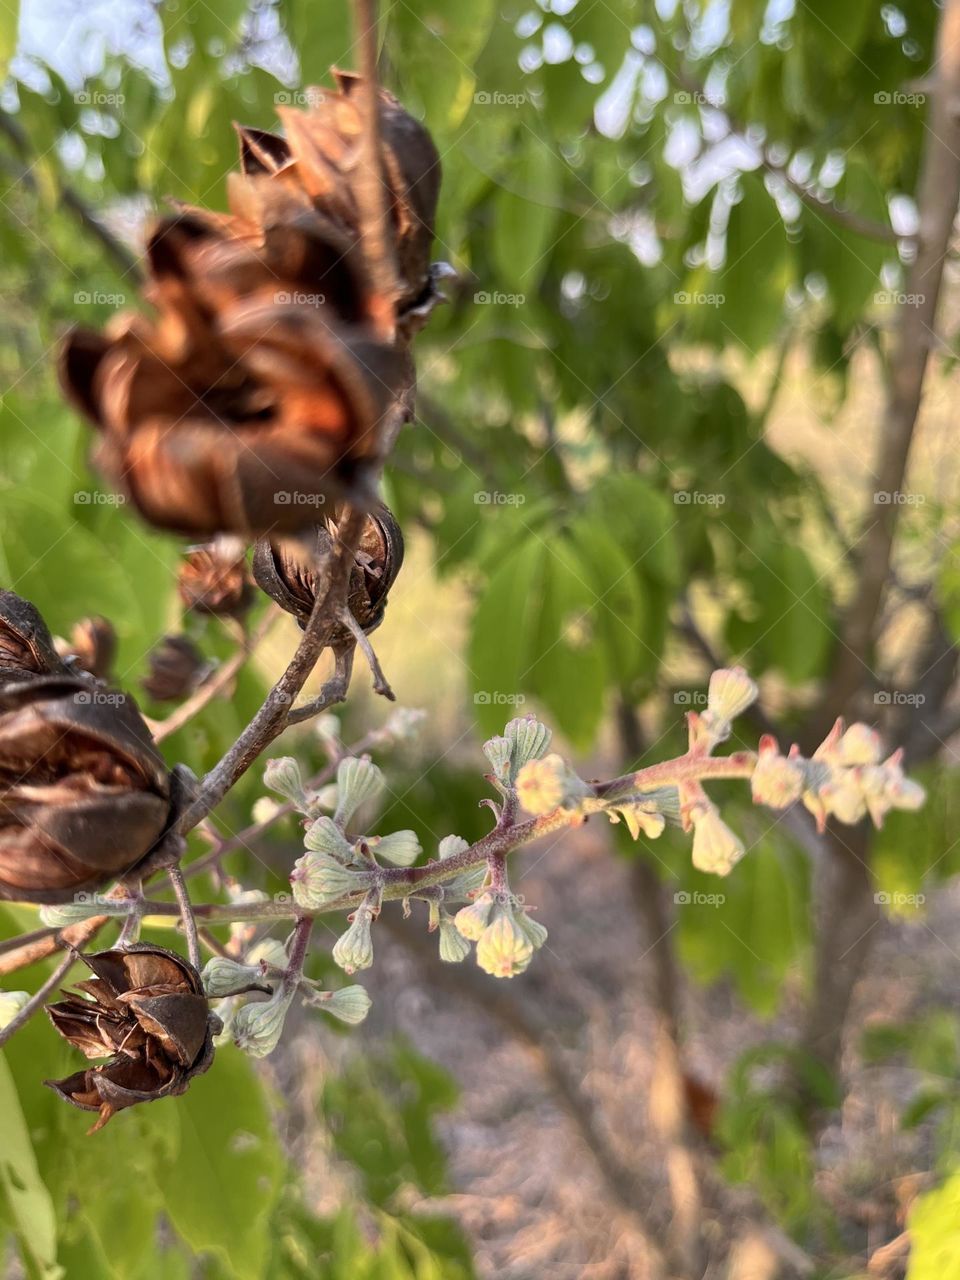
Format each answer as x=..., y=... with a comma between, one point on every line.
x=938, y=195
x=371, y=187
x=18, y=953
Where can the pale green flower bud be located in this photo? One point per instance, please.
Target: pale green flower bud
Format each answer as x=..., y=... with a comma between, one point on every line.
x=715, y=847
x=404, y=724
x=350, y=1004
x=402, y=848
x=265, y=809
x=730, y=692
x=359, y=783
x=453, y=945
x=529, y=740
x=499, y=751
x=534, y=930
x=257, y=1027
x=324, y=836
x=282, y=775
x=353, y=950
x=268, y=951
x=223, y=977
x=11, y=1002
x=327, y=728
x=318, y=879
x=451, y=845
x=82, y=908
x=322, y=801
x=503, y=949
x=471, y=921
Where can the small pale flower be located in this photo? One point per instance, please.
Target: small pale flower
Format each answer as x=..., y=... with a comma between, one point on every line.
x=641, y=818
x=547, y=784
x=778, y=780
x=843, y=796
x=265, y=809
x=282, y=775
x=715, y=847
x=402, y=848
x=327, y=728
x=257, y=1027
x=504, y=949
x=454, y=947
x=471, y=921
x=359, y=783
x=318, y=879
x=11, y=1002
x=860, y=745
x=353, y=950
x=404, y=724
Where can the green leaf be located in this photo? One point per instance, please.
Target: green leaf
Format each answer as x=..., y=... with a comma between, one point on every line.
x=27, y=1198
x=220, y=1190
x=757, y=271
x=525, y=213
x=434, y=45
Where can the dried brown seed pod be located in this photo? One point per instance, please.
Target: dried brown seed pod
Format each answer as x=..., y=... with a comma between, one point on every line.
x=239, y=408
x=146, y=1012
x=26, y=646
x=176, y=668
x=286, y=571
x=213, y=579
x=84, y=794
x=93, y=646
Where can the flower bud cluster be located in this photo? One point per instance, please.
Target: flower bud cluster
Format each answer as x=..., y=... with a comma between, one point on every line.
x=506, y=936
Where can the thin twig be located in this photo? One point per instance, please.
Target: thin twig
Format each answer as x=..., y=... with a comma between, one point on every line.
x=187, y=917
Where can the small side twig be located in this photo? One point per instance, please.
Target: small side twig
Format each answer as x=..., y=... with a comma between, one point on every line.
x=38, y=999
x=186, y=914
